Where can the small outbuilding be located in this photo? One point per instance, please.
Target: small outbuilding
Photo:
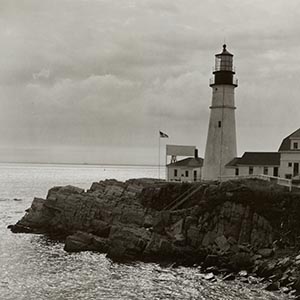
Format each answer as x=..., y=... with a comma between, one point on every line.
x=185, y=170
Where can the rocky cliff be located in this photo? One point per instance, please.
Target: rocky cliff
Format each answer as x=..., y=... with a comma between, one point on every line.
x=248, y=225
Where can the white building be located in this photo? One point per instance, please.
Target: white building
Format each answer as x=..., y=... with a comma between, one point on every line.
x=290, y=155
x=255, y=163
x=284, y=163
x=185, y=170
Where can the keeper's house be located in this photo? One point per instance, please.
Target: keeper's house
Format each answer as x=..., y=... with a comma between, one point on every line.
x=290, y=156
x=284, y=163
x=185, y=170
x=255, y=163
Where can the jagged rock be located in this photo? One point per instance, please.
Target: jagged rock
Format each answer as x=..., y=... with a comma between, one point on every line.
x=127, y=242
x=189, y=221
x=241, y=261
x=222, y=243
x=159, y=246
x=63, y=191
x=222, y=225
x=35, y=220
x=133, y=215
x=266, y=252
x=285, y=289
x=244, y=248
x=252, y=280
x=194, y=236
x=229, y=277
x=177, y=228
x=274, y=286
x=212, y=269
x=179, y=240
x=266, y=268
x=296, y=286
x=148, y=221
x=211, y=260
x=161, y=221
x=100, y=228
x=243, y=273
x=284, y=263
x=82, y=241
x=209, y=276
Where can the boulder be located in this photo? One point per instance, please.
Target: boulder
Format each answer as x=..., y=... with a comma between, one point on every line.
x=82, y=241
x=273, y=286
x=159, y=247
x=241, y=261
x=222, y=243
x=194, y=236
x=265, y=252
x=100, y=228
x=127, y=242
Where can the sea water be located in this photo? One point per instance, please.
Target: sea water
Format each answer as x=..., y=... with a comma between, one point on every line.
x=34, y=267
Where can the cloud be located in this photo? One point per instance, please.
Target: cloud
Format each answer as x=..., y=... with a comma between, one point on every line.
x=110, y=73
x=42, y=74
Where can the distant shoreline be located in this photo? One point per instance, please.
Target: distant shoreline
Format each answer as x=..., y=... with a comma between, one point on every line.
x=81, y=164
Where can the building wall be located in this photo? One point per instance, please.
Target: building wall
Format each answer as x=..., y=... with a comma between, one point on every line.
x=257, y=170
x=295, y=144
x=181, y=174
x=221, y=138
x=287, y=163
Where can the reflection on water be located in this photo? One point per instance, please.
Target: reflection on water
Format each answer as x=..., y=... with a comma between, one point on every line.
x=34, y=267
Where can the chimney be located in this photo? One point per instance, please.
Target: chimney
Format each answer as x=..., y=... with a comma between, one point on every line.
x=196, y=153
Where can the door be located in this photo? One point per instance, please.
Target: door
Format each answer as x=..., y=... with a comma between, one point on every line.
x=275, y=172
x=296, y=169
x=195, y=175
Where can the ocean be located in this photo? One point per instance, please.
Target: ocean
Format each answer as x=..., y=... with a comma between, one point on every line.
x=34, y=267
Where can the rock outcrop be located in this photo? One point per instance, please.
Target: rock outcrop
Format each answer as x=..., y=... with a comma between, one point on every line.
x=234, y=226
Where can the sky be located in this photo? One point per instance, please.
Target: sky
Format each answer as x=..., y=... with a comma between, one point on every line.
x=93, y=81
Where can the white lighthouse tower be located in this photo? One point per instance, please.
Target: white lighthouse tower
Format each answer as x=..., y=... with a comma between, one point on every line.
x=221, y=138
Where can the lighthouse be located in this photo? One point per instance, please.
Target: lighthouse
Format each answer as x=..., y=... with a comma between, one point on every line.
x=221, y=145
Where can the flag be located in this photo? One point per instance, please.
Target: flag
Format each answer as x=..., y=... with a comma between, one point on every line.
x=163, y=135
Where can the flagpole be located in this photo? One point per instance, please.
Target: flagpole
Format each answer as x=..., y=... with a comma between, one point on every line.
x=166, y=169
x=159, y=156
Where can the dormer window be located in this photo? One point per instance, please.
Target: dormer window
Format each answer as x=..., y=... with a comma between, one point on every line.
x=295, y=145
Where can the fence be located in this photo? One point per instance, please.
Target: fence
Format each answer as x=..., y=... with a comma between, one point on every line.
x=277, y=180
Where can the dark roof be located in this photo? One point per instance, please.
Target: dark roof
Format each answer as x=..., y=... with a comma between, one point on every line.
x=224, y=52
x=256, y=159
x=286, y=143
x=191, y=162
x=234, y=162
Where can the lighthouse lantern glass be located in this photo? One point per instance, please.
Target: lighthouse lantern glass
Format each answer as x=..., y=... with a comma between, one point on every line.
x=223, y=63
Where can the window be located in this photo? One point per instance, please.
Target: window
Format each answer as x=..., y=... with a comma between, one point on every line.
x=266, y=170
x=175, y=173
x=186, y=173
x=288, y=176
x=290, y=164
x=195, y=175
x=250, y=170
x=236, y=171
x=295, y=144
x=219, y=124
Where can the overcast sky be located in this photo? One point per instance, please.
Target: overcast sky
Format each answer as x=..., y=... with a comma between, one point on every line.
x=94, y=80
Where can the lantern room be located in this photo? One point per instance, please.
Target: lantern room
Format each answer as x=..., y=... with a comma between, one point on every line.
x=224, y=70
